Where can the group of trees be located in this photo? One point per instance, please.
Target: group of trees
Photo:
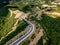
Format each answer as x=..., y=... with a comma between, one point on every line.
x=52, y=28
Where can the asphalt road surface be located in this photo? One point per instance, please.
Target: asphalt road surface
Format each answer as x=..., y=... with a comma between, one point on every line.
x=18, y=41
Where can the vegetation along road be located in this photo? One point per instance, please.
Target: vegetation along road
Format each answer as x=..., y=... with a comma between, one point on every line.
x=18, y=41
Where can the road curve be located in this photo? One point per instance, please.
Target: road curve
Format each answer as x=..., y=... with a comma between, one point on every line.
x=18, y=41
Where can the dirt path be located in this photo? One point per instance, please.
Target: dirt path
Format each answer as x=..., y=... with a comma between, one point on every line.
x=10, y=12
x=53, y=14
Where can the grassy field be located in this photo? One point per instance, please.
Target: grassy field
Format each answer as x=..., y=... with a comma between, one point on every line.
x=6, y=25
x=6, y=22
x=21, y=26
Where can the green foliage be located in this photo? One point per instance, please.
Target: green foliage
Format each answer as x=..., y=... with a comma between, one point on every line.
x=6, y=22
x=6, y=25
x=40, y=42
x=24, y=5
x=20, y=5
x=52, y=29
x=4, y=11
x=21, y=26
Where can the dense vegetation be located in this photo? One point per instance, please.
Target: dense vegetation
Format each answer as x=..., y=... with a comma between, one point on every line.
x=4, y=11
x=52, y=29
x=40, y=42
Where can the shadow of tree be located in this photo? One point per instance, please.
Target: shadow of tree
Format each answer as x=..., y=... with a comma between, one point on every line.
x=4, y=11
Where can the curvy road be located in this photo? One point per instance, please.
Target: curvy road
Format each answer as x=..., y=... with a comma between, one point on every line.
x=18, y=41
